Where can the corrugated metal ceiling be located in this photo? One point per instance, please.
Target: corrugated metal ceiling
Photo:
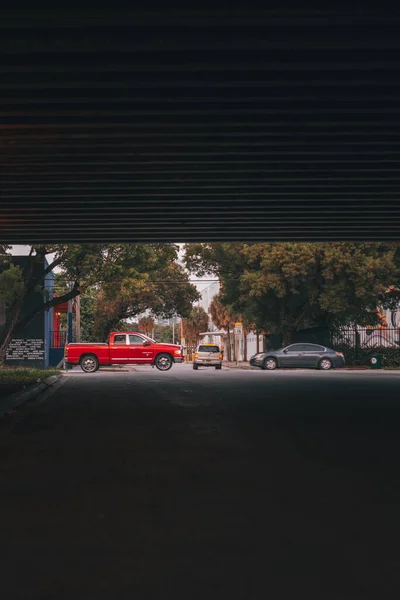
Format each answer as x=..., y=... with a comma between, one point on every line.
x=183, y=126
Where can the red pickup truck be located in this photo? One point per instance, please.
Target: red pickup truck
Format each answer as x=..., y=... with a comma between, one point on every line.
x=129, y=348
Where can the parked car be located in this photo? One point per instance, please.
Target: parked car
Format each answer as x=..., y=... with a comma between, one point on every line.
x=129, y=348
x=207, y=355
x=302, y=356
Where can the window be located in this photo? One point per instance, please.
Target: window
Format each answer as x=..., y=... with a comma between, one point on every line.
x=136, y=340
x=296, y=348
x=120, y=339
x=214, y=349
x=313, y=348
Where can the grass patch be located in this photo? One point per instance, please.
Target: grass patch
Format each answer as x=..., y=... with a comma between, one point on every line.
x=20, y=375
x=16, y=379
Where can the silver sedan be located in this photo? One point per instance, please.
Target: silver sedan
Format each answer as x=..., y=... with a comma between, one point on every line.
x=301, y=356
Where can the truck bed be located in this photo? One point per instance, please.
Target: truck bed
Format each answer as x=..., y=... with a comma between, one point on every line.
x=101, y=350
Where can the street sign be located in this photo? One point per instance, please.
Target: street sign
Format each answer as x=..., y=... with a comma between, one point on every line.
x=183, y=342
x=238, y=329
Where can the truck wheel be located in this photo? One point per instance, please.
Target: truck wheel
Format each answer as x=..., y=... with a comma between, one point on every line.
x=163, y=362
x=89, y=363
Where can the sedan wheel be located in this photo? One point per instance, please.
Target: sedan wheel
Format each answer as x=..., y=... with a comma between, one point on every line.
x=163, y=362
x=325, y=364
x=270, y=364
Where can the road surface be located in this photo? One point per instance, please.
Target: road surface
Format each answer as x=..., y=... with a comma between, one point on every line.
x=204, y=484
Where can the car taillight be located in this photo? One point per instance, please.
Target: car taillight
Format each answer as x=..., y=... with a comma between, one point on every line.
x=340, y=354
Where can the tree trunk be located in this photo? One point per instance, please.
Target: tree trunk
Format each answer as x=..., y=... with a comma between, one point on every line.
x=46, y=306
x=245, y=345
x=229, y=345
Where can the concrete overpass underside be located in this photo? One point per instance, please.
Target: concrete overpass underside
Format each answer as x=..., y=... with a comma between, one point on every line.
x=184, y=125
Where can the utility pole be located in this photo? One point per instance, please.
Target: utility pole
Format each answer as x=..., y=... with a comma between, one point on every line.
x=78, y=318
x=173, y=330
x=68, y=336
x=69, y=321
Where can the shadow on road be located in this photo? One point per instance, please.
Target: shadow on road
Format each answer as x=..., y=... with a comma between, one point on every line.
x=196, y=484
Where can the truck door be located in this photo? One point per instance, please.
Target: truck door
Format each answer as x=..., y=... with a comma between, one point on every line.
x=138, y=352
x=119, y=349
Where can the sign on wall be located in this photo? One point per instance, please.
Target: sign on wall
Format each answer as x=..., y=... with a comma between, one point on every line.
x=31, y=349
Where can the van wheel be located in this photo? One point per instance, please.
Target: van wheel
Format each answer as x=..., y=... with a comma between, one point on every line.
x=163, y=362
x=218, y=367
x=89, y=363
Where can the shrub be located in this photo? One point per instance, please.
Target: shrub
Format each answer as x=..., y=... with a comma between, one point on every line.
x=361, y=357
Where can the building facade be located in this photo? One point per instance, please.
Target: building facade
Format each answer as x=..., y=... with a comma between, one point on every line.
x=30, y=347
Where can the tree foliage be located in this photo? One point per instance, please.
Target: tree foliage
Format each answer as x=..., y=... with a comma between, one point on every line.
x=194, y=324
x=146, y=325
x=224, y=317
x=138, y=279
x=283, y=287
x=117, y=282
x=18, y=283
x=164, y=333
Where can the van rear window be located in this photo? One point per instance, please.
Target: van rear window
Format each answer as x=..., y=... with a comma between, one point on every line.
x=209, y=349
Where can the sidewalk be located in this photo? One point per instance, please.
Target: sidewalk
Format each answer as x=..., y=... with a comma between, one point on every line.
x=238, y=365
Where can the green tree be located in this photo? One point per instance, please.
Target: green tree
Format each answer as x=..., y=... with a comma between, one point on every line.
x=194, y=324
x=80, y=263
x=146, y=325
x=88, y=302
x=224, y=318
x=284, y=287
x=164, y=333
x=138, y=279
x=119, y=281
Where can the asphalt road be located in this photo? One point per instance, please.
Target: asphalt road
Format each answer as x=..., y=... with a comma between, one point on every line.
x=204, y=484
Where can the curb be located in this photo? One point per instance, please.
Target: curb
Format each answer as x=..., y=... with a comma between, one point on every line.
x=344, y=369
x=243, y=367
x=29, y=394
